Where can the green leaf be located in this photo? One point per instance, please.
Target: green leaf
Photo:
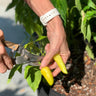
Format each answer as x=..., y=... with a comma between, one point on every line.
x=89, y=51
x=91, y=4
x=61, y=5
x=86, y=30
x=86, y=8
x=85, y=27
x=12, y=4
x=26, y=71
x=90, y=14
x=20, y=68
x=8, y=81
x=14, y=69
x=78, y=5
x=28, y=18
x=41, y=38
x=94, y=36
x=37, y=28
x=83, y=24
x=33, y=77
x=88, y=36
x=32, y=48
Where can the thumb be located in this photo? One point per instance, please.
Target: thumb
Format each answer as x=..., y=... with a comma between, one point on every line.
x=1, y=35
x=50, y=52
x=48, y=57
x=46, y=60
x=47, y=47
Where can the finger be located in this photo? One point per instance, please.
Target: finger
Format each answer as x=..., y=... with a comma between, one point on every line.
x=2, y=49
x=64, y=52
x=1, y=35
x=47, y=47
x=48, y=58
x=7, y=61
x=64, y=57
x=56, y=72
x=53, y=65
x=3, y=68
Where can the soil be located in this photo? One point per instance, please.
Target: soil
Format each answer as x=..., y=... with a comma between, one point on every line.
x=81, y=80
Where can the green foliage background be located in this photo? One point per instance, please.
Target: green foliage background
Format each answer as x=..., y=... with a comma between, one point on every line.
x=78, y=17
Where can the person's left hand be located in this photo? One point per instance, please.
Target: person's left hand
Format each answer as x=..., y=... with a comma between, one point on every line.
x=5, y=60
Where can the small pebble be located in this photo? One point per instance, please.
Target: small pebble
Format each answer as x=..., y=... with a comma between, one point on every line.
x=62, y=90
x=55, y=89
x=90, y=90
x=86, y=88
x=80, y=87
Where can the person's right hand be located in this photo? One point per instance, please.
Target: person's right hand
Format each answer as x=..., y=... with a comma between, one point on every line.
x=57, y=45
x=5, y=60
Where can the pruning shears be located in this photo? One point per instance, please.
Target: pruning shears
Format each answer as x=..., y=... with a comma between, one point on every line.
x=31, y=59
x=25, y=56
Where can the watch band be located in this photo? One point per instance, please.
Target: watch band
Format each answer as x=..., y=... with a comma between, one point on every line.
x=48, y=16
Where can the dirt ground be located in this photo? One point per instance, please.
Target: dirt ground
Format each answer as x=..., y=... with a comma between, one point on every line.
x=81, y=80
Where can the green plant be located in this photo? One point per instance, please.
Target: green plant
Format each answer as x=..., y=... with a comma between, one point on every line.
x=38, y=39
x=77, y=17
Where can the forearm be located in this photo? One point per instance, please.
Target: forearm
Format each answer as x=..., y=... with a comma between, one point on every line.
x=40, y=7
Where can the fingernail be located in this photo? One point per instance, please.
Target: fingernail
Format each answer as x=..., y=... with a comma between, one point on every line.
x=40, y=67
x=10, y=66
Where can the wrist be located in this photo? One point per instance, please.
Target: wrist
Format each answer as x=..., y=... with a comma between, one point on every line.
x=49, y=16
x=54, y=22
x=55, y=26
x=40, y=7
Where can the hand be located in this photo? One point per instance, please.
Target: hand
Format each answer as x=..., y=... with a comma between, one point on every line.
x=57, y=44
x=5, y=61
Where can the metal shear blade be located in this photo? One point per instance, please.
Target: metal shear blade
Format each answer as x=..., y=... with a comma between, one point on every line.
x=22, y=60
x=25, y=56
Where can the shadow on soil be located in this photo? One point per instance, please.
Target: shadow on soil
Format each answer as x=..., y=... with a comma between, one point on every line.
x=12, y=31
x=20, y=91
x=77, y=69
x=9, y=92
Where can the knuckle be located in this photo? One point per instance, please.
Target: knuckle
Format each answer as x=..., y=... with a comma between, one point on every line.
x=69, y=53
x=11, y=66
x=55, y=50
x=3, y=71
x=2, y=49
x=1, y=33
x=8, y=61
x=56, y=72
